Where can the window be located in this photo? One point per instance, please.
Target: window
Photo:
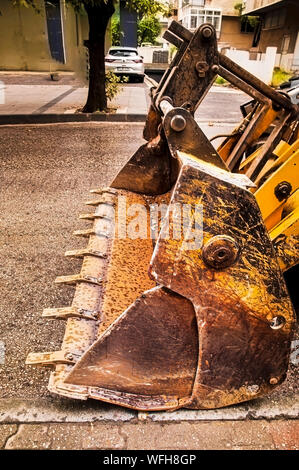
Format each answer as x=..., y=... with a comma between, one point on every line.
x=197, y=16
x=275, y=19
x=247, y=26
x=122, y=52
x=193, y=22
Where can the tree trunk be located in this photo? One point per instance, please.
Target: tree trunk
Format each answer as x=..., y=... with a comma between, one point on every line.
x=98, y=17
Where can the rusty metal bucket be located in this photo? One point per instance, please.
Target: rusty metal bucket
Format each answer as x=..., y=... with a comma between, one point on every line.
x=156, y=324
x=169, y=313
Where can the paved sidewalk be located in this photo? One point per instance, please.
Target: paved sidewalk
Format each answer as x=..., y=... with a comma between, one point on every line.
x=39, y=99
x=225, y=435
x=27, y=94
x=36, y=94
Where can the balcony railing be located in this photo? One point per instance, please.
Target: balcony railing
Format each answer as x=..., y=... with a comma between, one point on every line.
x=193, y=3
x=254, y=4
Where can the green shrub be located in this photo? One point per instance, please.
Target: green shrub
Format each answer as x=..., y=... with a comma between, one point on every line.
x=279, y=76
x=113, y=84
x=220, y=81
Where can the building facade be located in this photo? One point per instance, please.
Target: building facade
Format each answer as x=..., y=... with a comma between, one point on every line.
x=50, y=40
x=230, y=29
x=279, y=27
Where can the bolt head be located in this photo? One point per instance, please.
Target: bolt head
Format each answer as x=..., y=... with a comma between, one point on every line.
x=277, y=322
x=274, y=380
x=178, y=123
x=220, y=252
x=207, y=32
x=253, y=389
x=283, y=190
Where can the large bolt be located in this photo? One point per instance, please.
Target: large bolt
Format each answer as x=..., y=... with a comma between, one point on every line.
x=277, y=322
x=220, y=252
x=207, y=32
x=178, y=123
x=202, y=67
x=274, y=380
x=283, y=190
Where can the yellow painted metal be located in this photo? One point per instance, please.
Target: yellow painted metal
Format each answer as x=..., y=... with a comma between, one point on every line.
x=287, y=152
x=227, y=146
x=281, y=217
x=269, y=117
x=270, y=206
x=285, y=237
x=280, y=150
x=283, y=151
x=249, y=159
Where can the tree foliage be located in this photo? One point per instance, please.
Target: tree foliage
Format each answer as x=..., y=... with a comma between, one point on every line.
x=252, y=20
x=148, y=7
x=148, y=29
x=115, y=31
x=239, y=7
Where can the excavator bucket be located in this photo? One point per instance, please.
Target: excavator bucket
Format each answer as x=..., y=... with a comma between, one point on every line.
x=181, y=300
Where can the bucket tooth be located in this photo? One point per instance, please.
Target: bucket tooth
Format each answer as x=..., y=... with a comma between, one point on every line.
x=70, y=312
x=50, y=358
x=84, y=233
x=90, y=231
x=94, y=216
x=74, y=278
x=96, y=202
x=85, y=252
x=103, y=191
x=87, y=216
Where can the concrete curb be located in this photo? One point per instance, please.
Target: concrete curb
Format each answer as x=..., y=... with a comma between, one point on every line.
x=262, y=408
x=61, y=411
x=55, y=118
x=150, y=82
x=23, y=119
x=66, y=411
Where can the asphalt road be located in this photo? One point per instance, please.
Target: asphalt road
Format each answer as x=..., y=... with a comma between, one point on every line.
x=46, y=173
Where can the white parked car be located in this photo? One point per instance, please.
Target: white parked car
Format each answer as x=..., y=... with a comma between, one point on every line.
x=125, y=61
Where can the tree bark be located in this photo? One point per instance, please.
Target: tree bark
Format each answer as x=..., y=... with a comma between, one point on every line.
x=98, y=18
